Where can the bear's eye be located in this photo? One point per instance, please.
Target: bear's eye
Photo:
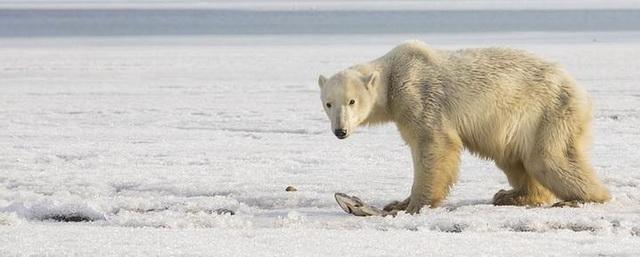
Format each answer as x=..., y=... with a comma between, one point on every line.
x=328, y=105
x=352, y=102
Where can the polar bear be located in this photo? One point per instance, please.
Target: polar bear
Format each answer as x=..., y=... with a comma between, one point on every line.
x=526, y=114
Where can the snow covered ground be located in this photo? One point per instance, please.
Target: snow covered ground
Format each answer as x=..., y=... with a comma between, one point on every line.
x=144, y=139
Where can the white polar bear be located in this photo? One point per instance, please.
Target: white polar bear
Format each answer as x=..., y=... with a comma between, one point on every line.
x=526, y=114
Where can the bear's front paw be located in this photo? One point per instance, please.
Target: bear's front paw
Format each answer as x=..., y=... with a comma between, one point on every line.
x=397, y=205
x=414, y=207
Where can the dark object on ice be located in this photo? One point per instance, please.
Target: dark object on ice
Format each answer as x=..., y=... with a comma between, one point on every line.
x=290, y=189
x=353, y=205
x=223, y=211
x=68, y=218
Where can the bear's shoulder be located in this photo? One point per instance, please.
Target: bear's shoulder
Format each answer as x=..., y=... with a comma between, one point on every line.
x=412, y=53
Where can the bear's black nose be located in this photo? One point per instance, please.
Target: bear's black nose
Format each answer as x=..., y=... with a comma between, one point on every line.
x=340, y=133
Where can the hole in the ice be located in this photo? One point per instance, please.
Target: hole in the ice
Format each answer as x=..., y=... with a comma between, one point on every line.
x=69, y=218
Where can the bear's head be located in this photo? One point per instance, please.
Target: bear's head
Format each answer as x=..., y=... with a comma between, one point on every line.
x=348, y=98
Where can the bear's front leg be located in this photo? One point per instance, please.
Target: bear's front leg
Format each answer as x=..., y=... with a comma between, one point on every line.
x=435, y=164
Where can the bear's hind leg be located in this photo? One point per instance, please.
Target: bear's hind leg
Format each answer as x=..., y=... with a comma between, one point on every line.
x=570, y=178
x=526, y=190
x=561, y=165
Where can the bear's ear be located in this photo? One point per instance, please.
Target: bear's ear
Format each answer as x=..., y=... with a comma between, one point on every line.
x=321, y=81
x=371, y=80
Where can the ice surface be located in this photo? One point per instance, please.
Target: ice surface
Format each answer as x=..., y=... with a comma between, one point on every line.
x=113, y=146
